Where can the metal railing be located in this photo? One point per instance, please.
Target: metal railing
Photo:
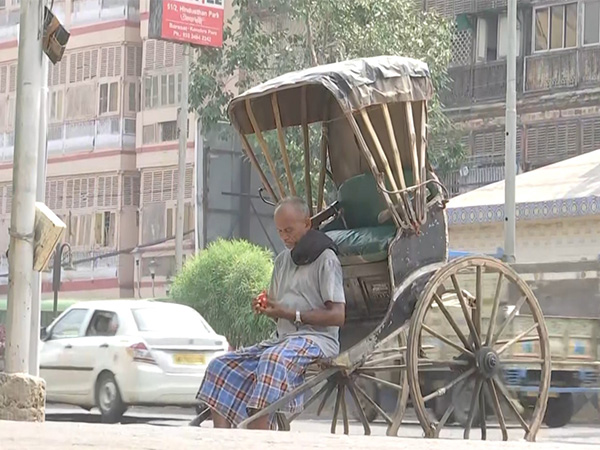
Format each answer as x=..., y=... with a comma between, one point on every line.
x=90, y=11
x=85, y=135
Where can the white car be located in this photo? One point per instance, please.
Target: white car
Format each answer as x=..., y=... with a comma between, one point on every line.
x=118, y=353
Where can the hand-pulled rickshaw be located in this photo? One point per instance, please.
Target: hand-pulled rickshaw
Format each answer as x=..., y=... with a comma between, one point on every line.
x=415, y=323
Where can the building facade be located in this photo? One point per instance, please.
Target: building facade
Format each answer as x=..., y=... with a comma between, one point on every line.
x=112, y=142
x=93, y=99
x=558, y=69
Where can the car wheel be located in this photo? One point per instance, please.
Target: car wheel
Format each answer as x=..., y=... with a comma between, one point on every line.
x=559, y=411
x=108, y=399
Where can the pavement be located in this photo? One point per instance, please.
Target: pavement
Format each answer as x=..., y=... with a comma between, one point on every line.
x=166, y=428
x=65, y=435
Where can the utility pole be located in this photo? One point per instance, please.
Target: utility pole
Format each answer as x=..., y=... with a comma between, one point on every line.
x=183, y=116
x=510, y=165
x=22, y=220
x=36, y=300
x=199, y=182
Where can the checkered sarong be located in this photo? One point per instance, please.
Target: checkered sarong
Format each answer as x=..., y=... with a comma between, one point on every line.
x=255, y=377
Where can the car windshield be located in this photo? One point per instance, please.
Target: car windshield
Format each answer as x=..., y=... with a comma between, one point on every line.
x=170, y=319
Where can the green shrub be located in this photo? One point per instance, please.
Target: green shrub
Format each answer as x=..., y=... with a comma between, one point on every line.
x=220, y=283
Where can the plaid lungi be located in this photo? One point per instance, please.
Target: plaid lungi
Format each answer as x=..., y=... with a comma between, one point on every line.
x=257, y=376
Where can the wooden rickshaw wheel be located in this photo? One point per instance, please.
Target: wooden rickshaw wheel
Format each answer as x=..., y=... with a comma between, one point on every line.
x=480, y=354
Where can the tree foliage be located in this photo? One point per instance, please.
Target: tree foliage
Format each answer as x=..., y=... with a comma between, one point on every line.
x=266, y=38
x=220, y=283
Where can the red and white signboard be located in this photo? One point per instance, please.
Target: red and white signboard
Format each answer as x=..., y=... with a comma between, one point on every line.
x=196, y=22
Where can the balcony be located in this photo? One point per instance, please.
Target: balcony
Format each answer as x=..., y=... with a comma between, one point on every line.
x=479, y=83
x=451, y=8
x=574, y=68
x=93, y=11
x=74, y=137
x=9, y=24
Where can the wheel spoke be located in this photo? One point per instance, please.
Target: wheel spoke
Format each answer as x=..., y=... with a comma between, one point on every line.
x=448, y=341
x=522, y=361
x=465, y=310
x=443, y=390
x=474, y=402
x=516, y=339
x=526, y=339
x=361, y=411
x=511, y=404
x=345, y=412
x=312, y=399
x=330, y=390
x=497, y=409
x=451, y=321
x=482, y=413
x=442, y=422
x=373, y=403
x=478, y=300
x=447, y=413
x=510, y=317
x=336, y=408
x=375, y=362
x=380, y=381
x=495, y=307
x=380, y=368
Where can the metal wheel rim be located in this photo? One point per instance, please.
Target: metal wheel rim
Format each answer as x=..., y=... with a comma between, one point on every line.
x=107, y=395
x=417, y=330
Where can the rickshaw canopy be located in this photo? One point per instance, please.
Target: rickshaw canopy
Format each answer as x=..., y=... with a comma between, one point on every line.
x=354, y=84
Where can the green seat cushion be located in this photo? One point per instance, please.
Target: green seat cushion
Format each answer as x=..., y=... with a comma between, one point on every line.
x=361, y=201
x=369, y=243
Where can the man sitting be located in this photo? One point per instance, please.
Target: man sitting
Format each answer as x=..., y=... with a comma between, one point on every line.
x=306, y=299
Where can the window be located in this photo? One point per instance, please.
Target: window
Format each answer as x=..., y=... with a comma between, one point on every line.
x=56, y=106
x=105, y=229
x=170, y=220
x=69, y=326
x=179, y=77
x=491, y=37
x=163, y=89
x=132, y=97
x=160, y=90
x=149, y=134
x=556, y=27
x=172, y=318
x=109, y=96
x=171, y=98
x=147, y=93
x=591, y=22
x=168, y=131
x=103, y=323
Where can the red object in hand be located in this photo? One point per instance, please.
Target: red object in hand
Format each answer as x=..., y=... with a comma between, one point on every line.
x=262, y=299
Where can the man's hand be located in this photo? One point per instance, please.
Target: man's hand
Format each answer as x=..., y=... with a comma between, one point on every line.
x=275, y=311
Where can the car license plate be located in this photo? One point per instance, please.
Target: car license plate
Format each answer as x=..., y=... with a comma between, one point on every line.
x=188, y=358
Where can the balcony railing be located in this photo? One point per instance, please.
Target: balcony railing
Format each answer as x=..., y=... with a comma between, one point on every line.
x=9, y=24
x=479, y=83
x=72, y=137
x=451, y=8
x=91, y=11
x=574, y=68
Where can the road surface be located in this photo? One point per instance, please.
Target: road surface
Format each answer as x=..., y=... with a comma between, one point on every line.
x=179, y=417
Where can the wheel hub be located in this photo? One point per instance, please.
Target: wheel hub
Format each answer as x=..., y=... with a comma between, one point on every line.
x=488, y=362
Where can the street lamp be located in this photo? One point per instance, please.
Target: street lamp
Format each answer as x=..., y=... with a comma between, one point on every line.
x=152, y=268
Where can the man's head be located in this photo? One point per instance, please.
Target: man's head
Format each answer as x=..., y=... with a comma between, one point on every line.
x=292, y=219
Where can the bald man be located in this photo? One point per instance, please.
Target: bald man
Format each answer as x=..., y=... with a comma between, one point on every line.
x=306, y=299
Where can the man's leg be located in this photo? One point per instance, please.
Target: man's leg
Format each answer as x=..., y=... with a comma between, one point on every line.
x=227, y=386
x=219, y=421
x=280, y=370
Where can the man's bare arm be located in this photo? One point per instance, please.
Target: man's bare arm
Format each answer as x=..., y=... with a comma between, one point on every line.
x=334, y=314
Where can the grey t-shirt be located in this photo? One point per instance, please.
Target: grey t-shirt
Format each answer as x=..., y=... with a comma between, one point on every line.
x=304, y=288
